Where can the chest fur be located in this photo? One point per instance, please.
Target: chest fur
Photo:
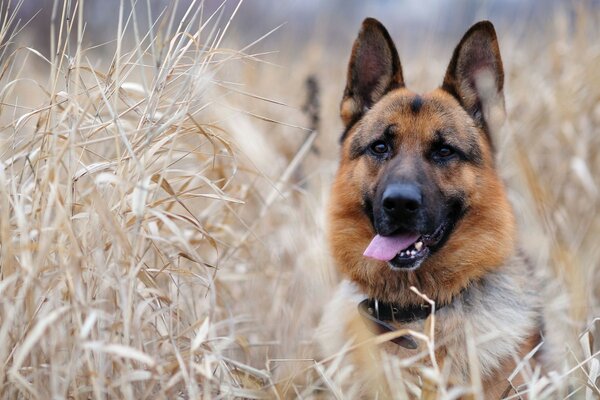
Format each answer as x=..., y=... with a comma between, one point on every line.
x=490, y=321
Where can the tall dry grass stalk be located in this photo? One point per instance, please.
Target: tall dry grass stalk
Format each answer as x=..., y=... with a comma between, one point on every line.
x=161, y=225
x=120, y=201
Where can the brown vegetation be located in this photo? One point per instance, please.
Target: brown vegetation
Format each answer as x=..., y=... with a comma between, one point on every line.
x=161, y=225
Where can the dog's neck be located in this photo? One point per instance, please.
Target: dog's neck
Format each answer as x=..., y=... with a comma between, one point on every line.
x=477, y=292
x=379, y=317
x=441, y=287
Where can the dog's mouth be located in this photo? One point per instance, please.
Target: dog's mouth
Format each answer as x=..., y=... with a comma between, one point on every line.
x=406, y=250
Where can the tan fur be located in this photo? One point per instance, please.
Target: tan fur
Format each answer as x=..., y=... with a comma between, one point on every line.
x=499, y=312
x=479, y=273
x=481, y=242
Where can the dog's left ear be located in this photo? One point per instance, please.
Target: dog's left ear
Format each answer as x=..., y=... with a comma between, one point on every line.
x=475, y=76
x=374, y=69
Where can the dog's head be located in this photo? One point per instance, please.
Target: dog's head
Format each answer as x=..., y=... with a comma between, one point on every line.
x=417, y=200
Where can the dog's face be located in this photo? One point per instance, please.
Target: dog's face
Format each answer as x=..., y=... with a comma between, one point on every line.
x=416, y=200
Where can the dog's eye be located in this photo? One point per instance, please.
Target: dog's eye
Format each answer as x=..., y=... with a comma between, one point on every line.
x=379, y=147
x=443, y=153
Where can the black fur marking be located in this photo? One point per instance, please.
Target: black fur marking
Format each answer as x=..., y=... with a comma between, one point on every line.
x=457, y=212
x=368, y=208
x=389, y=133
x=472, y=152
x=416, y=104
x=356, y=149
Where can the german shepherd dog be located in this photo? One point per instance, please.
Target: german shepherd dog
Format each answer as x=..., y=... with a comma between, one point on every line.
x=417, y=201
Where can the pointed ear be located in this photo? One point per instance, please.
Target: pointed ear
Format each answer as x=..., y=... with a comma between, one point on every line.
x=374, y=69
x=475, y=76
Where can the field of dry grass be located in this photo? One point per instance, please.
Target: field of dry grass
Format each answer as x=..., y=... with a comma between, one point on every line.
x=162, y=203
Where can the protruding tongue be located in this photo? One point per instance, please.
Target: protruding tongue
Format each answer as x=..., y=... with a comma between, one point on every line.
x=384, y=248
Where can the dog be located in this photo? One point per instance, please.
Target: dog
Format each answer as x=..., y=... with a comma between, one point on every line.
x=417, y=202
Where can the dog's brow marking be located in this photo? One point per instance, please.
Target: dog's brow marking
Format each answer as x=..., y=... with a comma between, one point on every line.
x=416, y=104
x=468, y=146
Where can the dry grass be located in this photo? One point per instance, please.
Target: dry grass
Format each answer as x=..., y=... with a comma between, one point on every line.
x=161, y=223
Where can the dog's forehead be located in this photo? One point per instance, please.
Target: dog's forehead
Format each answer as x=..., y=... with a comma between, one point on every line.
x=418, y=118
x=419, y=113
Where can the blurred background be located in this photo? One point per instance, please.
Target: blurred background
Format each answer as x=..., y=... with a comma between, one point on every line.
x=215, y=281
x=297, y=38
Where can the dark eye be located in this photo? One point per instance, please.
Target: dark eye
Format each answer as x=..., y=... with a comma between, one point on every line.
x=379, y=147
x=443, y=153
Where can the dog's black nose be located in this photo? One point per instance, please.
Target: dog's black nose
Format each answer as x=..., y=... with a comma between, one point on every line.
x=401, y=199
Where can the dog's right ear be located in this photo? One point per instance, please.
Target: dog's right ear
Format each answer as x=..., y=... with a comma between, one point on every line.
x=374, y=70
x=475, y=76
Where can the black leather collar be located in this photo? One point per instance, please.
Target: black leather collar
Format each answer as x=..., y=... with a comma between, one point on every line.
x=377, y=315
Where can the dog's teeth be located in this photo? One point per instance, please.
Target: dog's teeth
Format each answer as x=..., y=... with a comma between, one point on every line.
x=419, y=246
x=402, y=253
x=413, y=253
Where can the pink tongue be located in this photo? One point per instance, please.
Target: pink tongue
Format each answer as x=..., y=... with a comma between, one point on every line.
x=384, y=248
